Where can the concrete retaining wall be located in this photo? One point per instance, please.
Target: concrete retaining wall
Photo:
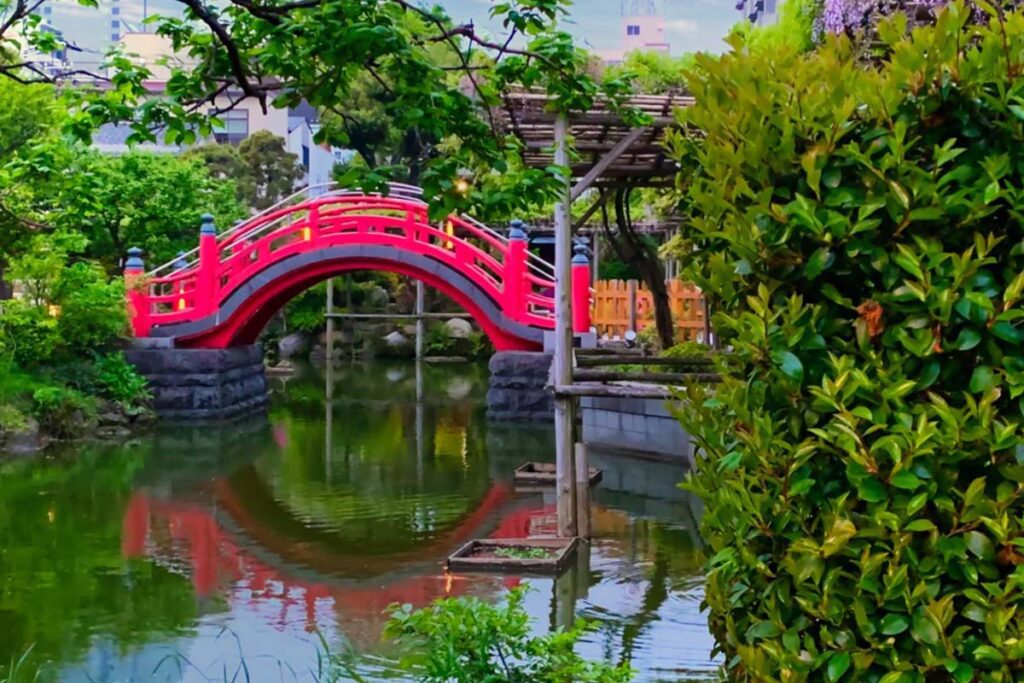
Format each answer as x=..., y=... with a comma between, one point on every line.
x=516, y=393
x=203, y=384
x=635, y=424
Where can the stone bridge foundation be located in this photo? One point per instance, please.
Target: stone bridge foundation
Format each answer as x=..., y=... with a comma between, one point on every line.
x=517, y=389
x=202, y=384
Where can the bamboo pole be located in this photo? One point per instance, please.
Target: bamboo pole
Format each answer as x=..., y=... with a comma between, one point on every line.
x=564, y=442
x=582, y=491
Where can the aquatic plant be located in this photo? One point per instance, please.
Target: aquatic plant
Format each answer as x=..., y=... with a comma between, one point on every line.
x=468, y=640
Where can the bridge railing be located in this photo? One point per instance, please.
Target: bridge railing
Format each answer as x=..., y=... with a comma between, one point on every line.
x=195, y=284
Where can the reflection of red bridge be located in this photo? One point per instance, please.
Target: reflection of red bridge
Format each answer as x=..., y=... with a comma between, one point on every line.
x=175, y=533
x=223, y=293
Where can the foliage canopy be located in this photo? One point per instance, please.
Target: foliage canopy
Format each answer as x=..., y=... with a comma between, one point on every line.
x=858, y=230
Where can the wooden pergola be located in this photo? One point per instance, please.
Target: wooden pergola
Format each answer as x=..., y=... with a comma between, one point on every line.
x=607, y=153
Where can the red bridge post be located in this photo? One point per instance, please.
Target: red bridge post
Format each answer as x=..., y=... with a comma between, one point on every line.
x=580, y=290
x=514, y=281
x=134, y=286
x=209, y=262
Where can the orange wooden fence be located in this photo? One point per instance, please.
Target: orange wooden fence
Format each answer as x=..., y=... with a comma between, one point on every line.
x=614, y=298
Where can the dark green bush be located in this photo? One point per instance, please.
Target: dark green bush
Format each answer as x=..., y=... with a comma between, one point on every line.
x=62, y=412
x=119, y=381
x=859, y=232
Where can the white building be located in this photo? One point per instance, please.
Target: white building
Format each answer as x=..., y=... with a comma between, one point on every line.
x=642, y=29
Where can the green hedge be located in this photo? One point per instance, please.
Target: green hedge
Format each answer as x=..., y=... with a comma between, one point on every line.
x=859, y=230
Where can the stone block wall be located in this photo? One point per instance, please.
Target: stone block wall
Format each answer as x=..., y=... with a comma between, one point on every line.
x=204, y=384
x=517, y=390
x=636, y=424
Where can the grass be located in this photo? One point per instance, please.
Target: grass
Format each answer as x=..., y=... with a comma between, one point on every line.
x=518, y=553
x=20, y=671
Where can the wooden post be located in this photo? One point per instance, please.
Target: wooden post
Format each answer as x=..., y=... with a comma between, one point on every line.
x=564, y=456
x=582, y=491
x=631, y=302
x=330, y=322
x=419, y=319
x=596, y=274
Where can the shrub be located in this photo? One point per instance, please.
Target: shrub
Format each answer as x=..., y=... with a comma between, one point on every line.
x=858, y=230
x=467, y=640
x=62, y=412
x=118, y=380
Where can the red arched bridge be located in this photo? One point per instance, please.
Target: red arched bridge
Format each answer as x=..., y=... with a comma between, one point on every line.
x=223, y=293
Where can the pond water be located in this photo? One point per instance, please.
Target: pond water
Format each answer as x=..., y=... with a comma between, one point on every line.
x=244, y=552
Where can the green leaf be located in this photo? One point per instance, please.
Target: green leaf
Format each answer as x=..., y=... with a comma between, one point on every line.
x=895, y=624
x=1007, y=332
x=819, y=261
x=982, y=379
x=987, y=656
x=871, y=490
x=790, y=365
x=761, y=630
x=980, y=546
x=920, y=525
x=905, y=479
x=838, y=665
x=924, y=628
x=967, y=339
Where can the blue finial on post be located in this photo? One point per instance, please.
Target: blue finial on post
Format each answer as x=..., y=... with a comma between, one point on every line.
x=580, y=256
x=516, y=230
x=134, y=261
x=207, y=227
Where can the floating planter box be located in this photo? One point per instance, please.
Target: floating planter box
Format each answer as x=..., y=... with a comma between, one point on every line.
x=542, y=474
x=514, y=555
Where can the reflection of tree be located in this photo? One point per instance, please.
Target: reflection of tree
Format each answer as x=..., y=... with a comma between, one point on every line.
x=384, y=487
x=62, y=573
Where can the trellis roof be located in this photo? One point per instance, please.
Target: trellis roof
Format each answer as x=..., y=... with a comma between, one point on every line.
x=596, y=133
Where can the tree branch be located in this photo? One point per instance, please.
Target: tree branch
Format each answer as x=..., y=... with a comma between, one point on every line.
x=234, y=57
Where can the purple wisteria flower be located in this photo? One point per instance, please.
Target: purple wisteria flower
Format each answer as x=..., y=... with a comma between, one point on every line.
x=838, y=16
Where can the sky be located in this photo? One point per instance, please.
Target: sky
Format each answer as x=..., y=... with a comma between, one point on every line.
x=691, y=25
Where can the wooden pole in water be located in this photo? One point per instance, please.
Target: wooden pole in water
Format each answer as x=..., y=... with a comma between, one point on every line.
x=564, y=451
x=582, y=491
x=329, y=345
x=419, y=319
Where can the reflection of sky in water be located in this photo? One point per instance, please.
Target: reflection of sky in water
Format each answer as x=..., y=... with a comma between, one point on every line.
x=412, y=481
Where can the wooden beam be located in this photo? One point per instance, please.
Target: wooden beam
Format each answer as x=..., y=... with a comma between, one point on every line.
x=586, y=375
x=597, y=360
x=612, y=391
x=592, y=209
x=606, y=161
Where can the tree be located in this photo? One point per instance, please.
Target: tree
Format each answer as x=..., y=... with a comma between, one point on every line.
x=857, y=227
x=223, y=162
x=282, y=53
x=26, y=113
x=262, y=170
x=272, y=170
x=145, y=200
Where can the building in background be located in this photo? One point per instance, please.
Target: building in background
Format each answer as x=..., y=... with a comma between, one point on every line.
x=642, y=28
x=759, y=12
